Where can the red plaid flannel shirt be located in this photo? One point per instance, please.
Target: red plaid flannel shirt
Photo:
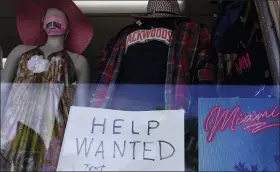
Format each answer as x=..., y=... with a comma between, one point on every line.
x=190, y=61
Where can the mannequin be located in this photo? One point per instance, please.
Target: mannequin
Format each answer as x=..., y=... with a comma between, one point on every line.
x=37, y=80
x=148, y=65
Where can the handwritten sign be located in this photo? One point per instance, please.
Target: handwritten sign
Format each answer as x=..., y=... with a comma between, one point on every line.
x=112, y=140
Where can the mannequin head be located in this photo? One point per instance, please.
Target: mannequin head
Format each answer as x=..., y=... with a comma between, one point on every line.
x=33, y=14
x=55, y=22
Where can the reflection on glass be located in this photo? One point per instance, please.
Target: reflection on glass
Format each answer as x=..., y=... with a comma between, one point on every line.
x=33, y=121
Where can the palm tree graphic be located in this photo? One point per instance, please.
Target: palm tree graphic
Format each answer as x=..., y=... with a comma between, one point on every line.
x=254, y=168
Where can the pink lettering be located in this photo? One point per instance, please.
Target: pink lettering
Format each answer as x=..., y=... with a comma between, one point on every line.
x=219, y=119
x=248, y=61
x=158, y=33
x=169, y=35
x=128, y=39
x=164, y=34
x=142, y=36
x=153, y=33
x=139, y=35
x=146, y=34
x=244, y=63
x=134, y=36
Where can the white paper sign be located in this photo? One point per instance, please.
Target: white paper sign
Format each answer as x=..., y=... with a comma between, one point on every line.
x=112, y=140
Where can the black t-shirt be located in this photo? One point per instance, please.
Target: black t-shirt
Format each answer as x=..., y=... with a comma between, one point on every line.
x=239, y=30
x=146, y=53
x=251, y=66
x=141, y=80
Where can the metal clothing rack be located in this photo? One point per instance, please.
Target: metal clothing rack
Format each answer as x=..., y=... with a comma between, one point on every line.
x=271, y=40
x=274, y=6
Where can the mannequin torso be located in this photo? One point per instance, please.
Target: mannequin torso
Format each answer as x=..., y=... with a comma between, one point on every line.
x=36, y=96
x=73, y=68
x=13, y=59
x=79, y=61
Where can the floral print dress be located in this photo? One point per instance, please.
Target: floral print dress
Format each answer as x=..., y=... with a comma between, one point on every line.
x=35, y=116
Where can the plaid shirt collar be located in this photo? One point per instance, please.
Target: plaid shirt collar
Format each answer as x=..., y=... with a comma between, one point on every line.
x=181, y=53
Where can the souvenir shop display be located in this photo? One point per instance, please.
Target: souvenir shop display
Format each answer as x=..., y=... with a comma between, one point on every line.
x=147, y=65
x=35, y=84
x=241, y=126
x=238, y=39
x=227, y=82
x=144, y=52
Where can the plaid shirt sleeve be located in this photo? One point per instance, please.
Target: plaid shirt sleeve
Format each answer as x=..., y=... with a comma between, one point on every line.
x=205, y=68
x=106, y=53
x=108, y=50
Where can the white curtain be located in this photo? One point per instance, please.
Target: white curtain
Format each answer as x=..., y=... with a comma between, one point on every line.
x=1, y=56
x=3, y=61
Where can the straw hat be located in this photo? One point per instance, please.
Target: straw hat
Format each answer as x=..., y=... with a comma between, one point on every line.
x=30, y=26
x=161, y=9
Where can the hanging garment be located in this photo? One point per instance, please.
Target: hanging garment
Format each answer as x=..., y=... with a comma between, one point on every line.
x=240, y=30
x=35, y=116
x=246, y=62
x=188, y=61
x=251, y=66
x=143, y=69
x=245, y=59
x=230, y=12
x=229, y=17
